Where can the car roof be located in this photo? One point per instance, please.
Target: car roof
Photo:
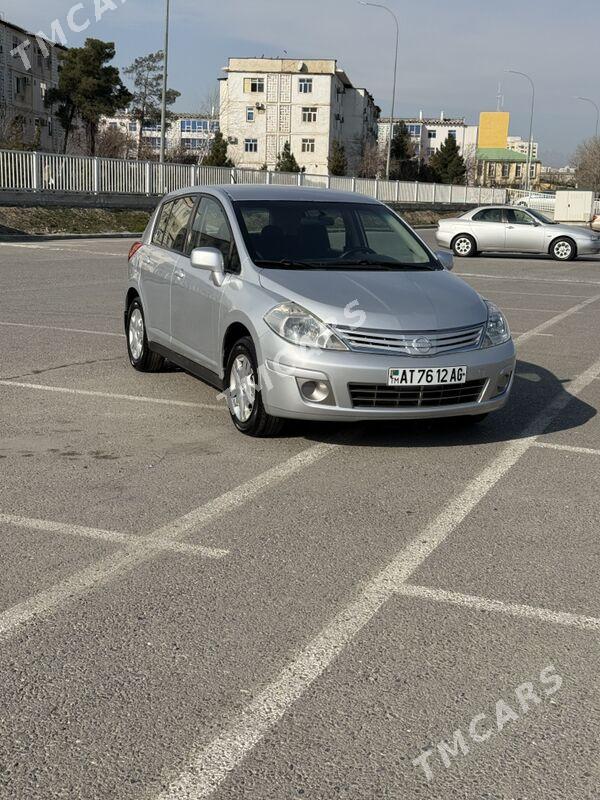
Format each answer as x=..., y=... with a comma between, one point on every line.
x=263, y=192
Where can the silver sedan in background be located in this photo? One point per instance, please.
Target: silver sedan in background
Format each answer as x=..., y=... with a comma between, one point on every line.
x=515, y=230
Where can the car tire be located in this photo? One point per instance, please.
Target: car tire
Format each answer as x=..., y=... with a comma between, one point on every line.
x=464, y=246
x=140, y=355
x=563, y=249
x=244, y=396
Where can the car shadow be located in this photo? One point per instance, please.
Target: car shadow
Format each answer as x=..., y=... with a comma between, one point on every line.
x=535, y=388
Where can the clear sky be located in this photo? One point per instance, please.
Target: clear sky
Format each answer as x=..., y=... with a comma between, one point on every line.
x=452, y=53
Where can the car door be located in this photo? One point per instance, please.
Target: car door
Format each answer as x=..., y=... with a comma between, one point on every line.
x=157, y=266
x=489, y=229
x=523, y=233
x=195, y=298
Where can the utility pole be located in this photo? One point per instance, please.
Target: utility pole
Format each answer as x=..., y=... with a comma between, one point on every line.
x=530, y=148
x=163, y=114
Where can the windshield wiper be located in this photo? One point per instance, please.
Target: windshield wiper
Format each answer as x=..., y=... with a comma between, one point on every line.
x=388, y=265
x=288, y=263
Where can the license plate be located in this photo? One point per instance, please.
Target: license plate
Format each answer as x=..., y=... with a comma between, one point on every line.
x=432, y=376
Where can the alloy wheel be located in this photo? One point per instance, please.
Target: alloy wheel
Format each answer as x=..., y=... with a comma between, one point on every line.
x=242, y=388
x=563, y=250
x=463, y=246
x=136, y=334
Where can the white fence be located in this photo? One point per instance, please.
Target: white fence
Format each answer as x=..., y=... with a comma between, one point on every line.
x=49, y=172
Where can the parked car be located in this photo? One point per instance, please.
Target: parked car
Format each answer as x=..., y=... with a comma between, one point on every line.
x=515, y=230
x=311, y=304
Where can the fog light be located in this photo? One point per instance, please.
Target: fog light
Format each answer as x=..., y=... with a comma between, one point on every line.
x=503, y=381
x=315, y=391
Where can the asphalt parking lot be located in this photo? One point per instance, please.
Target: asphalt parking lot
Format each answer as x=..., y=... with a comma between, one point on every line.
x=189, y=613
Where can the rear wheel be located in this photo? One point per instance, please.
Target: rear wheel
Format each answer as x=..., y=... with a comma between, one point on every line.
x=244, y=395
x=140, y=355
x=464, y=246
x=563, y=249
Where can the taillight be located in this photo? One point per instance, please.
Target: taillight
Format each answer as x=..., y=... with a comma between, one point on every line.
x=134, y=248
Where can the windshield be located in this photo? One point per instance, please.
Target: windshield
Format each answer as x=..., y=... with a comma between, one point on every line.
x=541, y=217
x=327, y=235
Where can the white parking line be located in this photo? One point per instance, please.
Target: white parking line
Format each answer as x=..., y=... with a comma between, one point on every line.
x=108, y=395
x=502, y=278
x=79, y=250
x=50, y=526
x=535, y=310
x=66, y=330
x=147, y=547
x=539, y=329
x=498, y=607
x=538, y=294
x=589, y=451
x=212, y=763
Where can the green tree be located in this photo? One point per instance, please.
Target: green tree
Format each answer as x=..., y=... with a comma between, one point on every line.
x=338, y=163
x=88, y=89
x=146, y=75
x=217, y=155
x=402, y=164
x=286, y=160
x=448, y=164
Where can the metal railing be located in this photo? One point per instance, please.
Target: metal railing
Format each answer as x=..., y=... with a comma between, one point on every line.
x=50, y=172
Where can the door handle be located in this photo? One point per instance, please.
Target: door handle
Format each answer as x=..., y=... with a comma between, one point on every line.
x=511, y=227
x=179, y=274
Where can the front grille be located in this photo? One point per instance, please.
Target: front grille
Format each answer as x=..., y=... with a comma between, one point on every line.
x=411, y=343
x=374, y=395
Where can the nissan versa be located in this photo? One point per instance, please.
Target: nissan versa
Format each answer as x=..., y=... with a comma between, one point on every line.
x=311, y=304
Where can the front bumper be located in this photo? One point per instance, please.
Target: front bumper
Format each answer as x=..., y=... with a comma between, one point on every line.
x=281, y=364
x=587, y=247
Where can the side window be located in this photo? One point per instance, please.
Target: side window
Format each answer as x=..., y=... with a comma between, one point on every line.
x=177, y=224
x=210, y=228
x=517, y=217
x=489, y=215
x=161, y=223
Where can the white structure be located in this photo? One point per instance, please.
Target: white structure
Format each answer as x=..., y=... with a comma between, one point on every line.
x=521, y=146
x=266, y=102
x=429, y=134
x=24, y=82
x=193, y=132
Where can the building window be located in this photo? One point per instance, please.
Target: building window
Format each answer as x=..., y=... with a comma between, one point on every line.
x=519, y=171
x=415, y=130
x=113, y=125
x=192, y=144
x=452, y=134
x=491, y=170
x=250, y=114
x=309, y=114
x=194, y=125
x=153, y=141
x=251, y=145
x=50, y=126
x=43, y=90
x=432, y=134
x=254, y=85
x=505, y=170
x=305, y=85
x=133, y=127
x=480, y=170
x=308, y=145
x=151, y=127
x=532, y=171
x=430, y=151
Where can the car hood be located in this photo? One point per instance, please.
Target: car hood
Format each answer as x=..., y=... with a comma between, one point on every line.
x=571, y=230
x=412, y=301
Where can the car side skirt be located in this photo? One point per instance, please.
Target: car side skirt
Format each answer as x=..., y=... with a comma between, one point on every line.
x=198, y=371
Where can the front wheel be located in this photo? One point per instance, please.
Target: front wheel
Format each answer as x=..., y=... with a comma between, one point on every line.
x=563, y=250
x=464, y=246
x=244, y=395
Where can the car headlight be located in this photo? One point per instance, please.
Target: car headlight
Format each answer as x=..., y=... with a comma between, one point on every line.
x=496, y=330
x=298, y=326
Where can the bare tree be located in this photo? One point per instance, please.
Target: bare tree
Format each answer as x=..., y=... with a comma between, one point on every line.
x=587, y=164
x=114, y=143
x=209, y=105
x=469, y=154
x=371, y=162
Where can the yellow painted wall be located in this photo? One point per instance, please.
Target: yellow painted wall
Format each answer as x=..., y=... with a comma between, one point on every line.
x=493, y=129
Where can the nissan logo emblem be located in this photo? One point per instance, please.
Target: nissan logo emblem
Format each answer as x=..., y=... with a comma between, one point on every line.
x=422, y=345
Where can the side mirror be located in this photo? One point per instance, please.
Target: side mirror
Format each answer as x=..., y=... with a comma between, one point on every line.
x=446, y=259
x=211, y=259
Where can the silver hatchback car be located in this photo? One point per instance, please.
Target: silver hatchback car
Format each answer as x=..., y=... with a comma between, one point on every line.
x=311, y=304
x=515, y=230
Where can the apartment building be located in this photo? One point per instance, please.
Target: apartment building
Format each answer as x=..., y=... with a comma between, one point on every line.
x=429, y=134
x=521, y=146
x=23, y=88
x=266, y=102
x=192, y=132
